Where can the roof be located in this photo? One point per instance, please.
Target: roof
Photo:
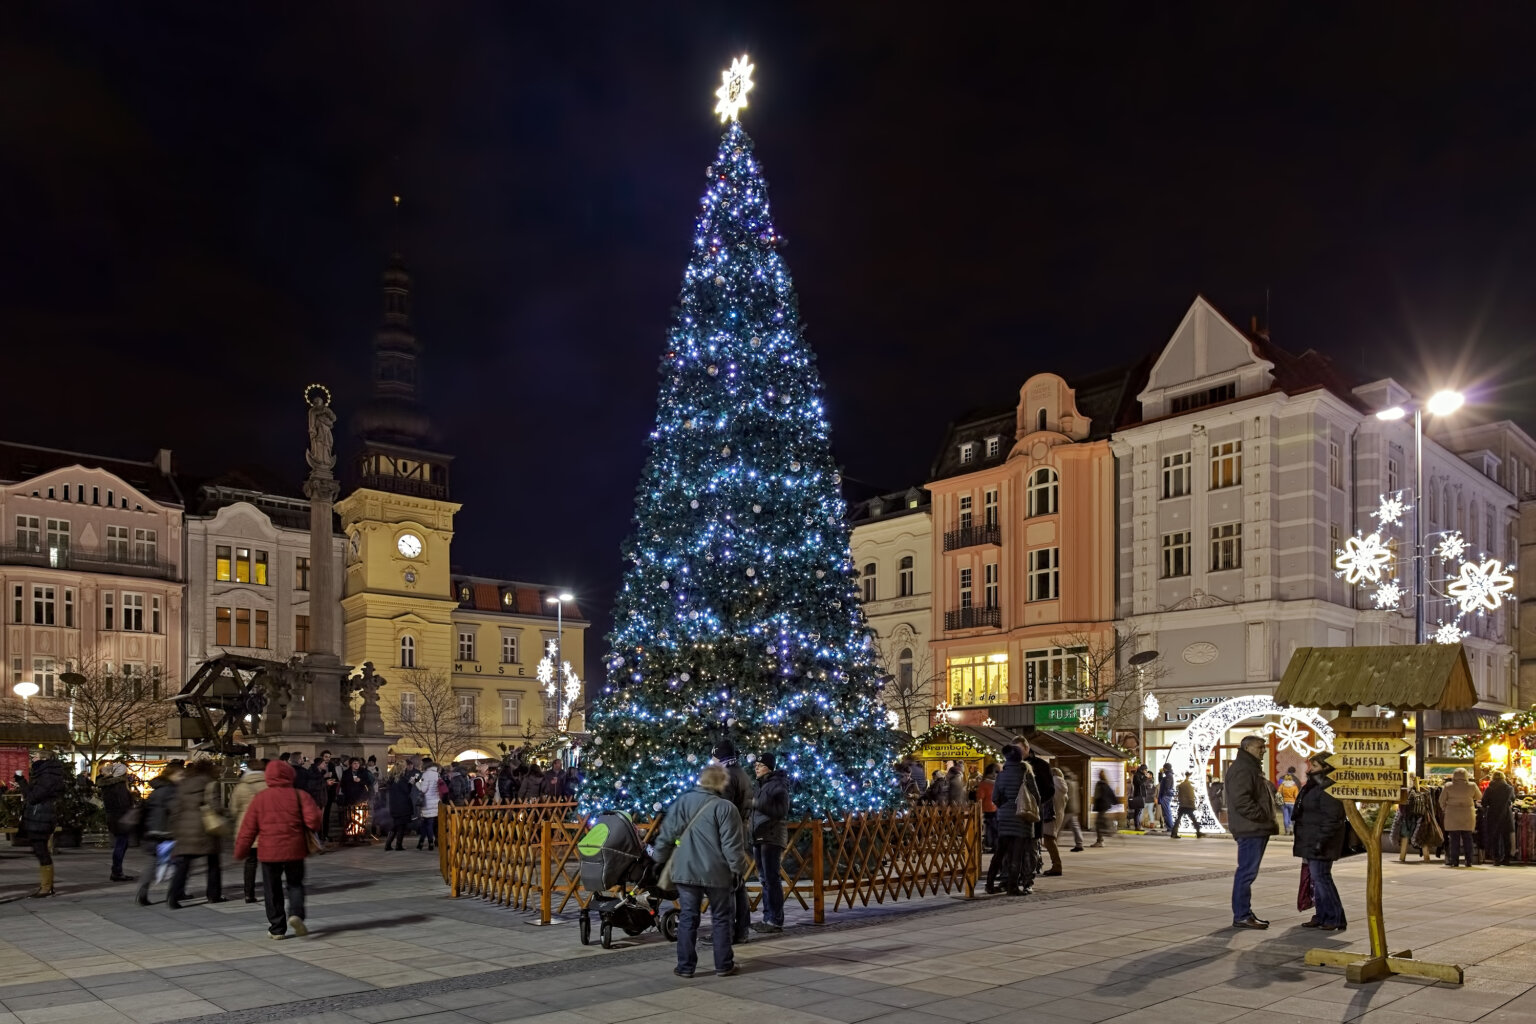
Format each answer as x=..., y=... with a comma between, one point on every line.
x=1408, y=678
x=1064, y=741
x=892, y=505
x=286, y=512
x=33, y=733
x=510, y=597
x=152, y=477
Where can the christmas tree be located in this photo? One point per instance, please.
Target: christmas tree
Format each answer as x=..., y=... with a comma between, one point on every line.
x=739, y=613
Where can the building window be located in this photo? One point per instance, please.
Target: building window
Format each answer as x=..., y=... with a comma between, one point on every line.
x=58, y=543
x=1176, y=469
x=242, y=565
x=1335, y=545
x=466, y=646
x=146, y=546
x=407, y=652
x=16, y=669
x=980, y=679
x=1045, y=574
x=301, y=633
x=260, y=631
x=133, y=612
x=18, y=603
x=511, y=709
x=1226, y=464
x=1226, y=546
x=965, y=511
x=989, y=506
x=301, y=572
x=1392, y=475
x=1043, y=489
x=989, y=585
x=1175, y=554
x=904, y=663
x=45, y=675
x=967, y=453
x=242, y=627
x=106, y=610
x=1490, y=538
x=994, y=446
x=117, y=543
x=871, y=582
x=259, y=569
x=1040, y=418
x=508, y=649
x=965, y=588
x=222, y=562
x=1054, y=673
x=154, y=615
x=407, y=707
x=222, y=618
x=1335, y=467
x=906, y=576
x=28, y=536
x=1201, y=399
x=466, y=709
x=42, y=605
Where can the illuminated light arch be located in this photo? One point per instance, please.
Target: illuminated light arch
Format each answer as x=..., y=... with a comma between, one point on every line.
x=475, y=754
x=1192, y=751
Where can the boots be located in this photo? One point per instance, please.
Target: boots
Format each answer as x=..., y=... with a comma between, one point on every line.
x=44, y=881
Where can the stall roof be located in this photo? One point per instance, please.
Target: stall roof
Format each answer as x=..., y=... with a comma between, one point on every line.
x=31, y=733
x=1408, y=678
x=1074, y=743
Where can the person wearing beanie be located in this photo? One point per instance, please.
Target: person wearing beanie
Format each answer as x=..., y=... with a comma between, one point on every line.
x=770, y=834
x=738, y=790
x=117, y=799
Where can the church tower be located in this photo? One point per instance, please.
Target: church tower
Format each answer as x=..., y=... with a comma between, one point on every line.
x=397, y=596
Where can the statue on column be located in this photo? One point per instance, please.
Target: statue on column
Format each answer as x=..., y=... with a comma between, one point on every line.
x=321, y=455
x=370, y=722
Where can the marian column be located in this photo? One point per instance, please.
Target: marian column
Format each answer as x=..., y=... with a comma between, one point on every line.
x=322, y=489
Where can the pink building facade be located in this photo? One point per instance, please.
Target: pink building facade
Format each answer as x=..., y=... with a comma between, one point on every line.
x=90, y=569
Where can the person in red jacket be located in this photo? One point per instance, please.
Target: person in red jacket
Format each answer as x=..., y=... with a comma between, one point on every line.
x=280, y=815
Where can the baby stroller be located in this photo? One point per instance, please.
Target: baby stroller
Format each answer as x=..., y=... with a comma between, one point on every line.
x=622, y=881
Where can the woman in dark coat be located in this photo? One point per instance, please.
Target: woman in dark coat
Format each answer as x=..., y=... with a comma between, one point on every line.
x=38, y=816
x=402, y=809
x=1498, y=818
x=117, y=800
x=1012, y=833
x=198, y=787
x=1321, y=837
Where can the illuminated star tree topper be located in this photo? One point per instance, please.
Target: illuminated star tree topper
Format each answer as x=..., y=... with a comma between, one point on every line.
x=735, y=83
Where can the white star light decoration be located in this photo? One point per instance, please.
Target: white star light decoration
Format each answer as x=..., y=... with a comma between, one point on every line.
x=1391, y=511
x=1449, y=633
x=1389, y=594
x=1289, y=735
x=1480, y=586
x=1363, y=558
x=1452, y=547
x=735, y=83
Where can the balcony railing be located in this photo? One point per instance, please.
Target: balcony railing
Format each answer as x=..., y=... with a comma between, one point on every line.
x=414, y=486
x=973, y=618
x=970, y=536
x=113, y=560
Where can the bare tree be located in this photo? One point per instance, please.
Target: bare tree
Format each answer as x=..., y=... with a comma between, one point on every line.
x=426, y=713
x=108, y=712
x=908, y=693
x=1102, y=675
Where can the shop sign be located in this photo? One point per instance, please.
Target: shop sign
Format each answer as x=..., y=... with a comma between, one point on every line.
x=1370, y=793
x=1386, y=746
x=947, y=752
x=1368, y=726
x=1182, y=711
x=1067, y=716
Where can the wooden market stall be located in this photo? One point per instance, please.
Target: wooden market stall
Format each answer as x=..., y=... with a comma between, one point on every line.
x=1366, y=766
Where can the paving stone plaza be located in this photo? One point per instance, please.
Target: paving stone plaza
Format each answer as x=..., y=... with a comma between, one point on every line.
x=1136, y=931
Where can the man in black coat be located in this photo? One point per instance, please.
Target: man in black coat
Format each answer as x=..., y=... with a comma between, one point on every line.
x=1251, y=820
x=738, y=790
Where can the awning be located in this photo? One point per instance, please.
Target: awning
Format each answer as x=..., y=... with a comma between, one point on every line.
x=1458, y=723
x=33, y=733
x=1059, y=742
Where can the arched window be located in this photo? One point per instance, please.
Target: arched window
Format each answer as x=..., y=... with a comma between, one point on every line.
x=904, y=670
x=908, y=577
x=1432, y=510
x=870, y=589
x=1042, y=492
x=1471, y=530
x=1040, y=419
x=407, y=652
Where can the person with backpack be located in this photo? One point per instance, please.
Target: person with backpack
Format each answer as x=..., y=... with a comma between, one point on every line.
x=432, y=789
x=1012, y=831
x=770, y=834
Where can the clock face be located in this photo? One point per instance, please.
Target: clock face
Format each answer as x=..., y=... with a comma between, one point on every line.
x=409, y=545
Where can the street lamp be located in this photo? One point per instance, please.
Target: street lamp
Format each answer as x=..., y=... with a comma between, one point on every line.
x=26, y=690
x=1441, y=403
x=560, y=677
x=1138, y=660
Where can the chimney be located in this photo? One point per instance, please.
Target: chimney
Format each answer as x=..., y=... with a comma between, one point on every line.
x=163, y=461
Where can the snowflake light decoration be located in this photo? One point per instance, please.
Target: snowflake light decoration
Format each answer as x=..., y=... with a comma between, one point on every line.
x=1452, y=547
x=1289, y=735
x=545, y=673
x=1389, y=594
x=1392, y=508
x=1449, y=633
x=735, y=83
x=1150, y=708
x=1363, y=558
x=1480, y=586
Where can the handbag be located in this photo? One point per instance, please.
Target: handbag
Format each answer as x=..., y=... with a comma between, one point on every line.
x=1025, y=805
x=312, y=845
x=214, y=823
x=1304, y=893
x=664, y=880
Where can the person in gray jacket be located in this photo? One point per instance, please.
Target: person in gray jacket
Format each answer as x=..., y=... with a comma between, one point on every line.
x=703, y=836
x=1251, y=820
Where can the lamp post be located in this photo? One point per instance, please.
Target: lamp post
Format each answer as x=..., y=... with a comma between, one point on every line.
x=1138, y=660
x=563, y=721
x=26, y=690
x=1441, y=403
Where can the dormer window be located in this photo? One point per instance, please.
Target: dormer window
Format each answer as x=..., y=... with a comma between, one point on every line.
x=1200, y=399
x=507, y=600
x=967, y=453
x=994, y=446
x=464, y=595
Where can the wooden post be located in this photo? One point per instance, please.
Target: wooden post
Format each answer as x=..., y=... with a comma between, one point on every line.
x=445, y=846
x=818, y=882
x=546, y=870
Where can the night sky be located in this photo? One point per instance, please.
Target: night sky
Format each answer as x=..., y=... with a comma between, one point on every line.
x=196, y=213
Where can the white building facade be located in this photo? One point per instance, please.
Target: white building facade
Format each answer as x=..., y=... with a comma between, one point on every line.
x=248, y=576
x=892, y=547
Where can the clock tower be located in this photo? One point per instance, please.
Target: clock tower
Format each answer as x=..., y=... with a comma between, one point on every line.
x=397, y=597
